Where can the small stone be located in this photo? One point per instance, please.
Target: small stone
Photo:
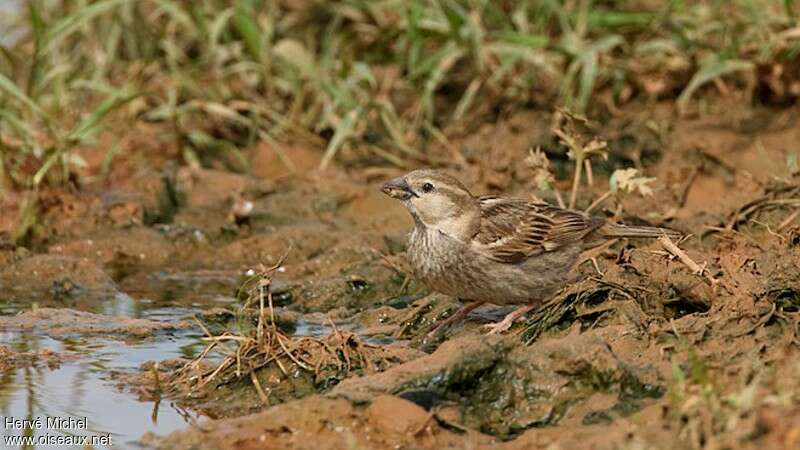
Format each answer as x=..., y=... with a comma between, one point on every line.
x=390, y=414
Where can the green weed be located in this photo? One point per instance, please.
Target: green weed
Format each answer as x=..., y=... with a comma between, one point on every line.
x=379, y=78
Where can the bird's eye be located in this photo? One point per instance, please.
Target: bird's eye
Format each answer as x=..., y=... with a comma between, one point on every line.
x=427, y=187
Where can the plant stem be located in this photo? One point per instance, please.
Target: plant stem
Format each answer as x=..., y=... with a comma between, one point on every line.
x=597, y=202
x=589, y=175
x=559, y=199
x=576, y=180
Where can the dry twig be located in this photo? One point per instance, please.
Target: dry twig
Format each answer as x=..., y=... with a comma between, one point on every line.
x=696, y=269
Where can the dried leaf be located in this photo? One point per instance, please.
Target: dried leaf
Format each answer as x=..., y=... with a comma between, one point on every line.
x=538, y=163
x=626, y=180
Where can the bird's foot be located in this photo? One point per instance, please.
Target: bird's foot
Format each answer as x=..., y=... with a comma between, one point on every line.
x=498, y=327
x=597, y=267
x=505, y=324
x=459, y=315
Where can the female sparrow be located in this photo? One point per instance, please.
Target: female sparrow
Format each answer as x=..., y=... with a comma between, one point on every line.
x=496, y=250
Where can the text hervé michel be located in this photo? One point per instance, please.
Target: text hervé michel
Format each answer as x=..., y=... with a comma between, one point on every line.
x=47, y=422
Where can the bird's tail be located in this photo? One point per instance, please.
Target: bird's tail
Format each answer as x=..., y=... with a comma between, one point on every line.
x=612, y=230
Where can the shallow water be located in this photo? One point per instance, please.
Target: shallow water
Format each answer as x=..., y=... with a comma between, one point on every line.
x=83, y=389
x=305, y=328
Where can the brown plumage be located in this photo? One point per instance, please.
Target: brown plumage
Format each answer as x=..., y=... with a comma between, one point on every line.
x=497, y=250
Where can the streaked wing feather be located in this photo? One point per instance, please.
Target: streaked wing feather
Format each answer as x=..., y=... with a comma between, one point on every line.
x=513, y=230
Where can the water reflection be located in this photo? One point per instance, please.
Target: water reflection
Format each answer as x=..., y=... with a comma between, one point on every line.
x=83, y=389
x=305, y=328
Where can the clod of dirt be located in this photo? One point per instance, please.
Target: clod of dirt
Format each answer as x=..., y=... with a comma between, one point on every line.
x=10, y=359
x=267, y=161
x=316, y=422
x=55, y=277
x=206, y=192
x=208, y=188
x=454, y=362
x=55, y=321
x=394, y=416
x=503, y=389
x=121, y=251
x=306, y=242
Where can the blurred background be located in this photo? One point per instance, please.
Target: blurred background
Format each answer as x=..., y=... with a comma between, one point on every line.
x=388, y=83
x=156, y=156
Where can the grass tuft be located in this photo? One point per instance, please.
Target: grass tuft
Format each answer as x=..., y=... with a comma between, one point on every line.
x=379, y=78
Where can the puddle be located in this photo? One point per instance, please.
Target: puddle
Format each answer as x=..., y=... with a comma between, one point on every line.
x=199, y=288
x=82, y=389
x=305, y=328
x=118, y=304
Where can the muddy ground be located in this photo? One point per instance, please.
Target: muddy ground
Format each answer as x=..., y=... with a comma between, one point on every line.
x=645, y=354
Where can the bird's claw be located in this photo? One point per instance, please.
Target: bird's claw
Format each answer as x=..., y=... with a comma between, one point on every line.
x=498, y=328
x=508, y=320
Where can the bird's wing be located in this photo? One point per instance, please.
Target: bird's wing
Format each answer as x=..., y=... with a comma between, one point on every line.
x=512, y=230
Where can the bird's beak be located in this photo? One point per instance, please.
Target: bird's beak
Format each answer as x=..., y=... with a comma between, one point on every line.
x=398, y=188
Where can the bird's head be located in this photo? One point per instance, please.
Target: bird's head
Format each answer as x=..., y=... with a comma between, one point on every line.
x=437, y=200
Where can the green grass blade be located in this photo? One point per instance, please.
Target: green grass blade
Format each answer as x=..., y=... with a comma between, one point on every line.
x=393, y=126
x=67, y=25
x=605, y=19
x=29, y=218
x=414, y=35
x=9, y=56
x=91, y=121
x=587, y=80
x=466, y=100
x=245, y=24
x=11, y=89
x=48, y=164
x=21, y=127
x=219, y=24
x=788, y=7
x=38, y=28
x=174, y=10
x=710, y=71
x=343, y=132
x=524, y=39
x=81, y=131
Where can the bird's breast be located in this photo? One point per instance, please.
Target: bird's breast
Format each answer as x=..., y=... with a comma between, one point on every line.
x=436, y=259
x=430, y=251
x=443, y=263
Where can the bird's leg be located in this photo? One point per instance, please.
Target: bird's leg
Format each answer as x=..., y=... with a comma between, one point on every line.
x=505, y=324
x=592, y=254
x=597, y=267
x=460, y=314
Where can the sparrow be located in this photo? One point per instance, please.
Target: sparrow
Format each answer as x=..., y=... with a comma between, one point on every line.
x=496, y=250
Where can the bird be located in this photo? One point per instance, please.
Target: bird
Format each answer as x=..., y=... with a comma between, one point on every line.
x=489, y=249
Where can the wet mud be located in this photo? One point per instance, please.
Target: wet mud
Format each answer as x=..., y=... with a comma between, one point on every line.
x=275, y=310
